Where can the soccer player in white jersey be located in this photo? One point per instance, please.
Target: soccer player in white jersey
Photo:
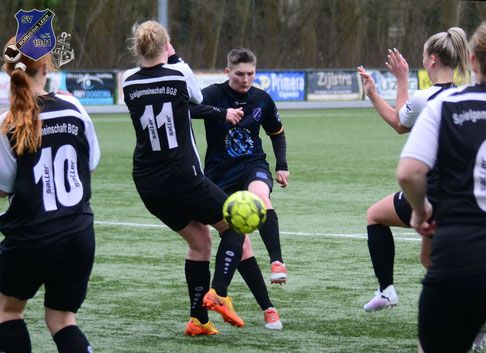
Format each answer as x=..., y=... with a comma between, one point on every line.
x=443, y=53
x=450, y=133
x=48, y=148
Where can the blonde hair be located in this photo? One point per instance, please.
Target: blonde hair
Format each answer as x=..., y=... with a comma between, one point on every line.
x=22, y=119
x=149, y=39
x=451, y=49
x=478, y=47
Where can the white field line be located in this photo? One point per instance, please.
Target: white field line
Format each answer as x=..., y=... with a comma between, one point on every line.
x=334, y=235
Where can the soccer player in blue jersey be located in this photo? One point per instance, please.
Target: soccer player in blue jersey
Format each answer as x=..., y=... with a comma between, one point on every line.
x=235, y=159
x=450, y=133
x=48, y=148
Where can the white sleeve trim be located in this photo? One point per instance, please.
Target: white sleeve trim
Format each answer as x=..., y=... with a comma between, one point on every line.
x=195, y=94
x=8, y=163
x=94, y=147
x=423, y=142
x=414, y=106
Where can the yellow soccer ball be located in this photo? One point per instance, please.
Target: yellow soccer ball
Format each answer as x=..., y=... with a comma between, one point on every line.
x=244, y=212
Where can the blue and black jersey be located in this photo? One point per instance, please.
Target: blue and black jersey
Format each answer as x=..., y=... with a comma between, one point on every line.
x=232, y=149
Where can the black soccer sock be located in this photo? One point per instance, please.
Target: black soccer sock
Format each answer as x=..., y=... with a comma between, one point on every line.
x=14, y=337
x=382, y=253
x=71, y=339
x=270, y=236
x=227, y=259
x=251, y=273
x=198, y=277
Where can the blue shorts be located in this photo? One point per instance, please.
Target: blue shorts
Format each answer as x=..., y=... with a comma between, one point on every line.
x=203, y=203
x=63, y=269
x=243, y=180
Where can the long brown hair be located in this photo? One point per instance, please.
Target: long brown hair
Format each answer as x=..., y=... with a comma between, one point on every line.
x=22, y=119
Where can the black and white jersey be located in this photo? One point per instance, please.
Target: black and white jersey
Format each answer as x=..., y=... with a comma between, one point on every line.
x=50, y=189
x=415, y=104
x=451, y=133
x=165, y=159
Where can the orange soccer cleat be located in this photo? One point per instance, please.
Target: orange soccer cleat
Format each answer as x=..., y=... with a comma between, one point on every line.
x=194, y=328
x=223, y=305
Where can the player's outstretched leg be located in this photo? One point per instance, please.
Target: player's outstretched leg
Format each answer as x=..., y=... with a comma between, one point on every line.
x=251, y=273
x=269, y=232
x=227, y=259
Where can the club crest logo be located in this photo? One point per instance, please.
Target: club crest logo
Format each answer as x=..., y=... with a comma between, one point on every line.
x=35, y=36
x=257, y=114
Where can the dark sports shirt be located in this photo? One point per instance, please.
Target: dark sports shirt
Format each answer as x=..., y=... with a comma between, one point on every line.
x=451, y=133
x=165, y=159
x=50, y=189
x=231, y=149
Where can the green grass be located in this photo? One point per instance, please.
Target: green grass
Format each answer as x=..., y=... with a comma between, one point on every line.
x=341, y=162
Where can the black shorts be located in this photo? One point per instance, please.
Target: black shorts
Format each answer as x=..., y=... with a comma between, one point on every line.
x=243, y=180
x=451, y=313
x=203, y=203
x=63, y=269
x=404, y=210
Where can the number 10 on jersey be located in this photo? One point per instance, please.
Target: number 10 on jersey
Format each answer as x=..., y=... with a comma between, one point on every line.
x=54, y=174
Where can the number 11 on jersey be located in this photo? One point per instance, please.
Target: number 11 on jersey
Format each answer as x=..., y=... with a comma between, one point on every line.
x=152, y=124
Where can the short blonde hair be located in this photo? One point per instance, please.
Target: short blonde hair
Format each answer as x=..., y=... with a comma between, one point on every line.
x=149, y=39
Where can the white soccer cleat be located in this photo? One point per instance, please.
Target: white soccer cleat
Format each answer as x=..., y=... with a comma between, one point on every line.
x=278, y=273
x=272, y=320
x=386, y=299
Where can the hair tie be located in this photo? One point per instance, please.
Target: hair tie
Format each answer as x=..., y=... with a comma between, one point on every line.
x=21, y=66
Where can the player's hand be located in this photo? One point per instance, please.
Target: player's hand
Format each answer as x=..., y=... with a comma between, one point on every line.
x=65, y=93
x=368, y=82
x=420, y=221
x=282, y=177
x=397, y=64
x=233, y=116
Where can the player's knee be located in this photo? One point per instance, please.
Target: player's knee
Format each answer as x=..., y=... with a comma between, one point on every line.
x=372, y=215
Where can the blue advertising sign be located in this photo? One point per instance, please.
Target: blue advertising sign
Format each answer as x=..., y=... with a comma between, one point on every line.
x=282, y=86
x=91, y=87
x=35, y=36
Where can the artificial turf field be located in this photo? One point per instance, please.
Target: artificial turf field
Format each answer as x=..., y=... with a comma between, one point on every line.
x=341, y=162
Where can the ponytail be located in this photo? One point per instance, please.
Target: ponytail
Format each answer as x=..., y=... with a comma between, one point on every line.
x=23, y=120
x=451, y=49
x=149, y=39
